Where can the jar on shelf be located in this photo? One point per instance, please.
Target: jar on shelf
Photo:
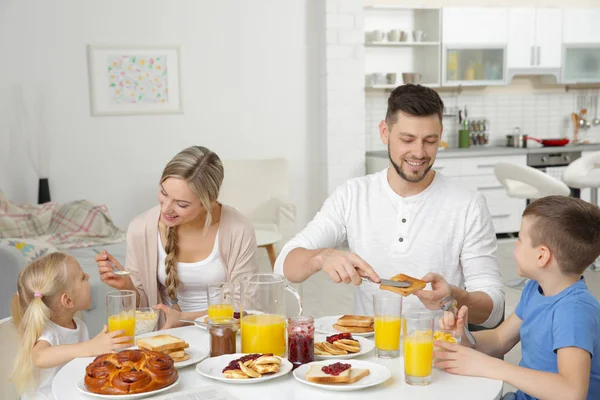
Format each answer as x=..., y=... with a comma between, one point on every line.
x=301, y=340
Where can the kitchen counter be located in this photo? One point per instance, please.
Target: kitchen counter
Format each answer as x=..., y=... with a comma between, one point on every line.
x=491, y=151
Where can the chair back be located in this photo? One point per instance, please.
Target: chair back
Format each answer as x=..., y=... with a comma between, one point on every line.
x=525, y=182
x=584, y=172
x=9, y=343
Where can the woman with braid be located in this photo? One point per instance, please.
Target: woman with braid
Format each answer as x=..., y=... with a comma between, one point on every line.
x=186, y=242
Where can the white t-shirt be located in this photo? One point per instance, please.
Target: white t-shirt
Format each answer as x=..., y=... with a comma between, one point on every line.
x=446, y=228
x=56, y=335
x=194, y=278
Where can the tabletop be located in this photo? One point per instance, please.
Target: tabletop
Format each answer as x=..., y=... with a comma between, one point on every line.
x=443, y=385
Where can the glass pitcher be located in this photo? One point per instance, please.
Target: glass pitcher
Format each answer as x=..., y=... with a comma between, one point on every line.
x=263, y=313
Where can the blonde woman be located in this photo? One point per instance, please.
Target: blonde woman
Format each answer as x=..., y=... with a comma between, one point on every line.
x=186, y=242
x=50, y=291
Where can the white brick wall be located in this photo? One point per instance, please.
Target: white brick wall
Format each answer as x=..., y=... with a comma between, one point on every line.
x=345, y=99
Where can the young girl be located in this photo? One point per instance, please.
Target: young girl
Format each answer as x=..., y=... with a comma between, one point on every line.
x=50, y=291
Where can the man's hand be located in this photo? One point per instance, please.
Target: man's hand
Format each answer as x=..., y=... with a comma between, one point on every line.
x=461, y=360
x=440, y=289
x=343, y=266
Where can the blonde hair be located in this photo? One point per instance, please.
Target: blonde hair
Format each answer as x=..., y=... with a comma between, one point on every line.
x=39, y=286
x=202, y=169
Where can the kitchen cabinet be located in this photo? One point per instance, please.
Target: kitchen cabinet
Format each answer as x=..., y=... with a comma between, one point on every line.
x=470, y=65
x=534, y=38
x=475, y=25
x=581, y=63
x=477, y=173
x=581, y=25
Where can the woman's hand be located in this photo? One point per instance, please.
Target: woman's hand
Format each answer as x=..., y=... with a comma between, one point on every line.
x=105, y=270
x=172, y=316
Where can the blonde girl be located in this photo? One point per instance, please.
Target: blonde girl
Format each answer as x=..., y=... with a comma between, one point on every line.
x=186, y=242
x=50, y=291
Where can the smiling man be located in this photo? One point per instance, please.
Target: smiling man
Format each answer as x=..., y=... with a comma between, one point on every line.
x=405, y=219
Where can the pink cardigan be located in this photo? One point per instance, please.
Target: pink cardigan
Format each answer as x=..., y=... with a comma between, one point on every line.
x=237, y=247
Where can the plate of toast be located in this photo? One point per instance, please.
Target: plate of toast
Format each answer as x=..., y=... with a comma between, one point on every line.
x=244, y=368
x=342, y=376
x=357, y=325
x=341, y=346
x=182, y=353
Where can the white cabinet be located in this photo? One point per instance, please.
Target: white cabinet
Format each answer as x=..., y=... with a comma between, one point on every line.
x=581, y=25
x=581, y=63
x=475, y=25
x=534, y=38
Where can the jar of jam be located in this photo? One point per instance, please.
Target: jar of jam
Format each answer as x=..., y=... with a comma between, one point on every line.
x=301, y=340
x=223, y=336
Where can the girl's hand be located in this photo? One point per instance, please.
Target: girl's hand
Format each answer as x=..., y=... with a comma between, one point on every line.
x=105, y=270
x=172, y=316
x=108, y=342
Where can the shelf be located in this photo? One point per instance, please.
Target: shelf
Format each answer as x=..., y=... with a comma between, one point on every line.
x=400, y=8
x=400, y=44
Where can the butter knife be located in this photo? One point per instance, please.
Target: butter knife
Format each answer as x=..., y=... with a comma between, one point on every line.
x=389, y=282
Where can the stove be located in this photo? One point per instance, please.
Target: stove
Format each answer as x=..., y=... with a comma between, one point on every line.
x=554, y=162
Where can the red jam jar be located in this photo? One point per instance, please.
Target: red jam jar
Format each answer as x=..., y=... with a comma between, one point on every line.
x=301, y=340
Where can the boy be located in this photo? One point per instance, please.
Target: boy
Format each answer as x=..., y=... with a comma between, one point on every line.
x=557, y=320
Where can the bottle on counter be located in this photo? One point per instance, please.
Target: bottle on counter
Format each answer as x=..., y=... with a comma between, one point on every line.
x=301, y=340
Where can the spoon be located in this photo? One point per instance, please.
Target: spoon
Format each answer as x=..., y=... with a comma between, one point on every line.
x=596, y=120
x=197, y=323
x=116, y=271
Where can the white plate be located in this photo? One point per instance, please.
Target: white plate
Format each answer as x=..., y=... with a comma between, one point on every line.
x=378, y=374
x=366, y=346
x=196, y=353
x=81, y=387
x=325, y=325
x=213, y=368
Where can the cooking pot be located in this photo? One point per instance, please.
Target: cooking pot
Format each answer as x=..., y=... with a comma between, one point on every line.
x=516, y=139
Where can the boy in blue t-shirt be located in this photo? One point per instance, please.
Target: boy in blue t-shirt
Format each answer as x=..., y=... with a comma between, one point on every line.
x=557, y=320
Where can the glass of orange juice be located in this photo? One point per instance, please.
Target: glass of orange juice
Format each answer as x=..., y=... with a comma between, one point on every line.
x=220, y=301
x=387, y=309
x=120, y=306
x=418, y=347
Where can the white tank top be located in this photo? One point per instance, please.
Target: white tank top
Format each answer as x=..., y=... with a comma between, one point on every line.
x=194, y=278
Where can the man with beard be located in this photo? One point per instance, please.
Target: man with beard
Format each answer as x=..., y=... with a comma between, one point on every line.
x=406, y=219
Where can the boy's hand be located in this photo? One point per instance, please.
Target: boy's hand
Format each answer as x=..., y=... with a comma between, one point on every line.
x=461, y=360
x=108, y=342
x=457, y=324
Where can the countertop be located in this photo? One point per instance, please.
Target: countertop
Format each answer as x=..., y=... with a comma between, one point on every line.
x=490, y=151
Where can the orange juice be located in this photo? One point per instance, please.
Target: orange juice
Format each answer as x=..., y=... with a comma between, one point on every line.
x=122, y=322
x=418, y=354
x=220, y=311
x=263, y=333
x=387, y=333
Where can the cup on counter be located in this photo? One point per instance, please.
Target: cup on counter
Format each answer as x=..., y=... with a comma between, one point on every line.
x=393, y=35
x=387, y=309
x=378, y=78
x=377, y=35
x=390, y=78
x=419, y=36
x=418, y=347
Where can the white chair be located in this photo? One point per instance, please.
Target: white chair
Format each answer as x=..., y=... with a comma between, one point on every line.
x=259, y=190
x=584, y=173
x=9, y=342
x=525, y=182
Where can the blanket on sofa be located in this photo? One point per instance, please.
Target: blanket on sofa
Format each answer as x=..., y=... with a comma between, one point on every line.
x=65, y=226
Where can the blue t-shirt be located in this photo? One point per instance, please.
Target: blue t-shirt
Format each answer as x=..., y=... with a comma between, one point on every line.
x=569, y=319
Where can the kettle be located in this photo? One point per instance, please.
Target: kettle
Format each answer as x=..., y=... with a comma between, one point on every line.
x=516, y=139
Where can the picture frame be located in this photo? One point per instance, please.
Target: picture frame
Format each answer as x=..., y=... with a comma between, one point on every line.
x=135, y=80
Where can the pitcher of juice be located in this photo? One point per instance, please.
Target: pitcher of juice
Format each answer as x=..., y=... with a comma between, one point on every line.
x=263, y=313
x=120, y=306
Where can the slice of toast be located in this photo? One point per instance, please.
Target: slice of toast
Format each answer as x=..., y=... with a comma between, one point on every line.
x=353, y=329
x=315, y=374
x=356, y=374
x=355, y=320
x=169, y=351
x=160, y=343
x=185, y=357
x=417, y=285
x=177, y=354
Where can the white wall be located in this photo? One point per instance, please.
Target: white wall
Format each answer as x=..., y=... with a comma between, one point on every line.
x=486, y=3
x=248, y=70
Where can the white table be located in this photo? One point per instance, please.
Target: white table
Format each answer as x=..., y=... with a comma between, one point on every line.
x=443, y=386
x=267, y=239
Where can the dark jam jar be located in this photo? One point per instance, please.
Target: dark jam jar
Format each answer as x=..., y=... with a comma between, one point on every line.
x=301, y=340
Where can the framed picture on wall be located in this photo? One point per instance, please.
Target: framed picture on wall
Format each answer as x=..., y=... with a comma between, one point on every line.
x=130, y=80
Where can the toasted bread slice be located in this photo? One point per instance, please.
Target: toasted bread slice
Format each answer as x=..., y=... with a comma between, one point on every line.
x=169, y=351
x=185, y=357
x=315, y=374
x=355, y=320
x=356, y=374
x=417, y=285
x=177, y=354
x=354, y=329
x=160, y=343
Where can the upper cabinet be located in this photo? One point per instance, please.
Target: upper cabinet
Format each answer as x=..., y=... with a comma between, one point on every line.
x=475, y=25
x=581, y=25
x=581, y=46
x=534, y=38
